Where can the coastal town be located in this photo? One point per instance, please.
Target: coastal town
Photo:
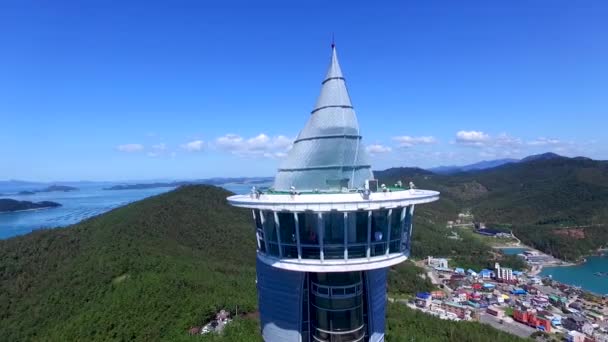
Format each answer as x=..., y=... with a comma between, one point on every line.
x=520, y=302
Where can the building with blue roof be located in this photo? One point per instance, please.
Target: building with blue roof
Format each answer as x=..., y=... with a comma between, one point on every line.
x=486, y=273
x=518, y=291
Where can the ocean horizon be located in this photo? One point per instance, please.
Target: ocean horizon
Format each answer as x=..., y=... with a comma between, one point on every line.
x=88, y=201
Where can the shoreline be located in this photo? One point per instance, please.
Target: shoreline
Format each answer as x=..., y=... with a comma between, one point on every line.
x=581, y=287
x=557, y=263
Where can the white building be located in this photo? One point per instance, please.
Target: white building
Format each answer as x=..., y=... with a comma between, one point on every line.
x=437, y=262
x=326, y=232
x=575, y=336
x=503, y=273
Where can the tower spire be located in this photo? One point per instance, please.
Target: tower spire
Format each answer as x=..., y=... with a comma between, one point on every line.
x=327, y=154
x=334, y=71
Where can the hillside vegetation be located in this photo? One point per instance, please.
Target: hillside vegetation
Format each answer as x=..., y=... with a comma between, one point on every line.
x=540, y=199
x=150, y=270
x=147, y=271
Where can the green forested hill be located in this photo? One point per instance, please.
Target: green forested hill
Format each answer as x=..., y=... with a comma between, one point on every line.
x=541, y=199
x=147, y=271
x=560, y=191
x=150, y=270
x=557, y=190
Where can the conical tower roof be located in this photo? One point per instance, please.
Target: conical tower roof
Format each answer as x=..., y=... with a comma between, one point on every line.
x=328, y=154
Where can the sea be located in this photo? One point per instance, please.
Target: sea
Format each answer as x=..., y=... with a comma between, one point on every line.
x=513, y=250
x=89, y=200
x=583, y=275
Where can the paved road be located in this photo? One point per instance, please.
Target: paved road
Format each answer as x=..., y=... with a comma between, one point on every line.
x=509, y=325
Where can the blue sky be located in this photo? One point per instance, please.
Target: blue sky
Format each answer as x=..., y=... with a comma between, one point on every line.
x=102, y=90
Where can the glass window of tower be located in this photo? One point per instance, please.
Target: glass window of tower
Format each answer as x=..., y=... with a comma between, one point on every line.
x=357, y=234
x=405, y=236
x=258, y=219
x=333, y=235
x=309, y=234
x=395, y=234
x=270, y=233
x=259, y=230
x=287, y=231
x=379, y=232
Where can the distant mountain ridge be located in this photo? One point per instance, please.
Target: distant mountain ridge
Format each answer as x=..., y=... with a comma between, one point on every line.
x=543, y=156
x=490, y=164
x=209, y=181
x=402, y=172
x=482, y=165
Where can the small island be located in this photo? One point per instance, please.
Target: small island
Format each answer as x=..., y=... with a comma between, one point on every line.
x=9, y=205
x=50, y=188
x=147, y=186
x=63, y=188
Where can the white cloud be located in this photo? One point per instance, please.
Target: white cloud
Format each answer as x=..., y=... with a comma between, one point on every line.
x=283, y=142
x=193, y=146
x=482, y=139
x=472, y=138
x=499, y=146
x=377, y=149
x=130, y=148
x=408, y=141
x=260, y=145
x=544, y=142
x=229, y=141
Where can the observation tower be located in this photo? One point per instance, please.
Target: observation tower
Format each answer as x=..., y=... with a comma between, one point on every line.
x=327, y=232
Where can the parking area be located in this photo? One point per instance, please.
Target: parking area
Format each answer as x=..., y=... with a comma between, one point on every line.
x=508, y=325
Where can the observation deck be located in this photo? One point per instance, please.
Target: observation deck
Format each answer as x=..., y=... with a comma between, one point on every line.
x=333, y=231
x=327, y=201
